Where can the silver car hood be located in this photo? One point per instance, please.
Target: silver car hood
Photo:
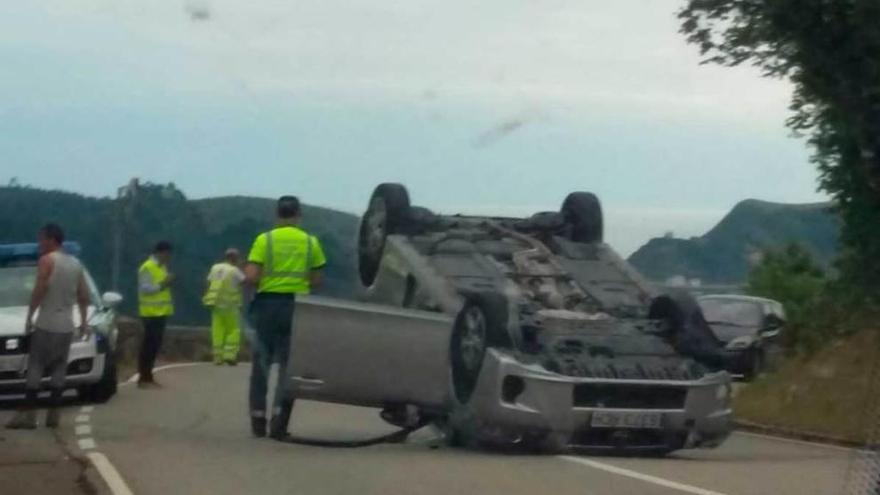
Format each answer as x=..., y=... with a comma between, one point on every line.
x=12, y=319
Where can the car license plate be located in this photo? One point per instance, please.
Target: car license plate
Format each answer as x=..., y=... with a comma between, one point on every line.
x=626, y=419
x=12, y=363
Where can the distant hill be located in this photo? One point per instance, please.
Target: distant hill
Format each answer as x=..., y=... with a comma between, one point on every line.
x=723, y=254
x=200, y=230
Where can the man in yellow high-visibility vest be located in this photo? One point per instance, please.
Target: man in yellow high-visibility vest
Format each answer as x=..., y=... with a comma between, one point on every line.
x=224, y=298
x=155, y=306
x=283, y=262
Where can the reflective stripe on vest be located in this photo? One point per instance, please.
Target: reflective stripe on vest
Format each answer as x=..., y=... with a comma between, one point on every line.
x=269, y=267
x=159, y=303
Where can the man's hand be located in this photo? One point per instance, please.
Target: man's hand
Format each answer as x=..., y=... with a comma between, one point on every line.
x=85, y=332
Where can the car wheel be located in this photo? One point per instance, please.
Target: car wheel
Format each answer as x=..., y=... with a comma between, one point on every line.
x=386, y=214
x=481, y=324
x=105, y=389
x=583, y=213
x=686, y=328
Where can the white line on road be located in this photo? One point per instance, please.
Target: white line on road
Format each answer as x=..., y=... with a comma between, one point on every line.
x=111, y=476
x=86, y=443
x=639, y=476
x=83, y=430
x=86, y=409
x=134, y=377
x=82, y=418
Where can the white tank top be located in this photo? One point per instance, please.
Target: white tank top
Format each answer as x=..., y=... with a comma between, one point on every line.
x=56, y=310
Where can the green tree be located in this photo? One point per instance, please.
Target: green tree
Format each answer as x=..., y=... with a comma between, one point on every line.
x=792, y=277
x=830, y=51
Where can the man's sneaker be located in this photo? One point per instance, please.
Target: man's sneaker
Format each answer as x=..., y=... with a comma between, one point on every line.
x=23, y=420
x=53, y=417
x=258, y=427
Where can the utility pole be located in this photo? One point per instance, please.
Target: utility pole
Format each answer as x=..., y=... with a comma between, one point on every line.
x=124, y=195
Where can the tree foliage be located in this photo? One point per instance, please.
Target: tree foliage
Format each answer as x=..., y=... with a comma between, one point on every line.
x=830, y=51
x=792, y=277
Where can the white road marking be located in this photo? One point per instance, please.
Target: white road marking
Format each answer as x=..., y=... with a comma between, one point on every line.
x=134, y=377
x=639, y=476
x=82, y=430
x=82, y=418
x=111, y=476
x=86, y=409
x=795, y=441
x=86, y=443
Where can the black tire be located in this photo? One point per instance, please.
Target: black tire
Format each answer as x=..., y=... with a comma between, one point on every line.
x=105, y=389
x=386, y=214
x=687, y=329
x=481, y=323
x=583, y=214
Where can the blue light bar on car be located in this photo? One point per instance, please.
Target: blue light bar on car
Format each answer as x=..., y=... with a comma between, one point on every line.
x=30, y=251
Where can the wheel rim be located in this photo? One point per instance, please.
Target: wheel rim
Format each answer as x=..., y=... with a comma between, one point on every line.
x=375, y=225
x=473, y=339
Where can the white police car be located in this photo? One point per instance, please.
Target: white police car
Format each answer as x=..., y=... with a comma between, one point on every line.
x=91, y=368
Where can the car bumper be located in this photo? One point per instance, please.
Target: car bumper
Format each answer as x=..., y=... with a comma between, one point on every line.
x=85, y=366
x=692, y=414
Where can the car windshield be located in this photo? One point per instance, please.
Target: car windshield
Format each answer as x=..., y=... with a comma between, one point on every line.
x=16, y=284
x=731, y=312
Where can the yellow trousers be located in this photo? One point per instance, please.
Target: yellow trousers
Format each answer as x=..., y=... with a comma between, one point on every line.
x=225, y=334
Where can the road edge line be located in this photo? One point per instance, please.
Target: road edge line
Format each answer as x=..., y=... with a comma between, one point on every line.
x=647, y=478
x=134, y=377
x=109, y=474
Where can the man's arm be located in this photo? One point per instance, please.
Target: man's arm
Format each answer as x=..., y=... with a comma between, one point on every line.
x=252, y=273
x=44, y=271
x=316, y=278
x=82, y=302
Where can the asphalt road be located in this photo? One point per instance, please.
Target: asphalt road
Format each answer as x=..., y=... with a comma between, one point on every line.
x=192, y=437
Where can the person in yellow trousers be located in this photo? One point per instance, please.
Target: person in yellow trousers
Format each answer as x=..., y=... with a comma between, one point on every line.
x=224, y=298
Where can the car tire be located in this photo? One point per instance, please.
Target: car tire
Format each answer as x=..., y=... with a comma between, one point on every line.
x=386, y=214
x=687, y=329
x=106, y=388
x=481, y=324
x=583, y=214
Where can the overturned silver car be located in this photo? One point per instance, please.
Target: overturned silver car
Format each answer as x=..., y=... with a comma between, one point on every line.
x=510, y=331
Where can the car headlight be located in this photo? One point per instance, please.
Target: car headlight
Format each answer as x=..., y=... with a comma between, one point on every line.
x=740, y=343
x=13, y=344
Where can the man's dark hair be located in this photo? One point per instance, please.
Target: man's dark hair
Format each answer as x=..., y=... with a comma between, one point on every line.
x=288, y=207
x=162, y=247
x=53, y=231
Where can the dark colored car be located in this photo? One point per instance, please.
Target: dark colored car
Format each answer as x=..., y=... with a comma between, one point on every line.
x=750, y=328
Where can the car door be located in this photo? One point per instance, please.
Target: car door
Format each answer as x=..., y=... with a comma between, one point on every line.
x=369, y=354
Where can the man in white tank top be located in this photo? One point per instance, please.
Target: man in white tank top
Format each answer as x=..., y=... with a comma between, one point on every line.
x=60, y=285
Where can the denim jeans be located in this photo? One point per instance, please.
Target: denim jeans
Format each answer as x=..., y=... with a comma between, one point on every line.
x=272, y=318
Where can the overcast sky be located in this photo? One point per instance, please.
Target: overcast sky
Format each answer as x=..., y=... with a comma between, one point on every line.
x=498, y=106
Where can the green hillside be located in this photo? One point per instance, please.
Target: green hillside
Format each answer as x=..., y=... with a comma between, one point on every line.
x=200, y=231
x=723, y=254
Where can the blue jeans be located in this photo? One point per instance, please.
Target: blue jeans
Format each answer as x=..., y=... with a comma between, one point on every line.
x=272, y=317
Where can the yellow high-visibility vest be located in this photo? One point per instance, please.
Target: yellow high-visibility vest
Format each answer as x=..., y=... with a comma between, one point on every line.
x=287, y=255
x=224, y=290
x=159, y=303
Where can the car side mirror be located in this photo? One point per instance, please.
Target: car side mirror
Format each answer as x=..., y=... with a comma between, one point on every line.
x=111, y=299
